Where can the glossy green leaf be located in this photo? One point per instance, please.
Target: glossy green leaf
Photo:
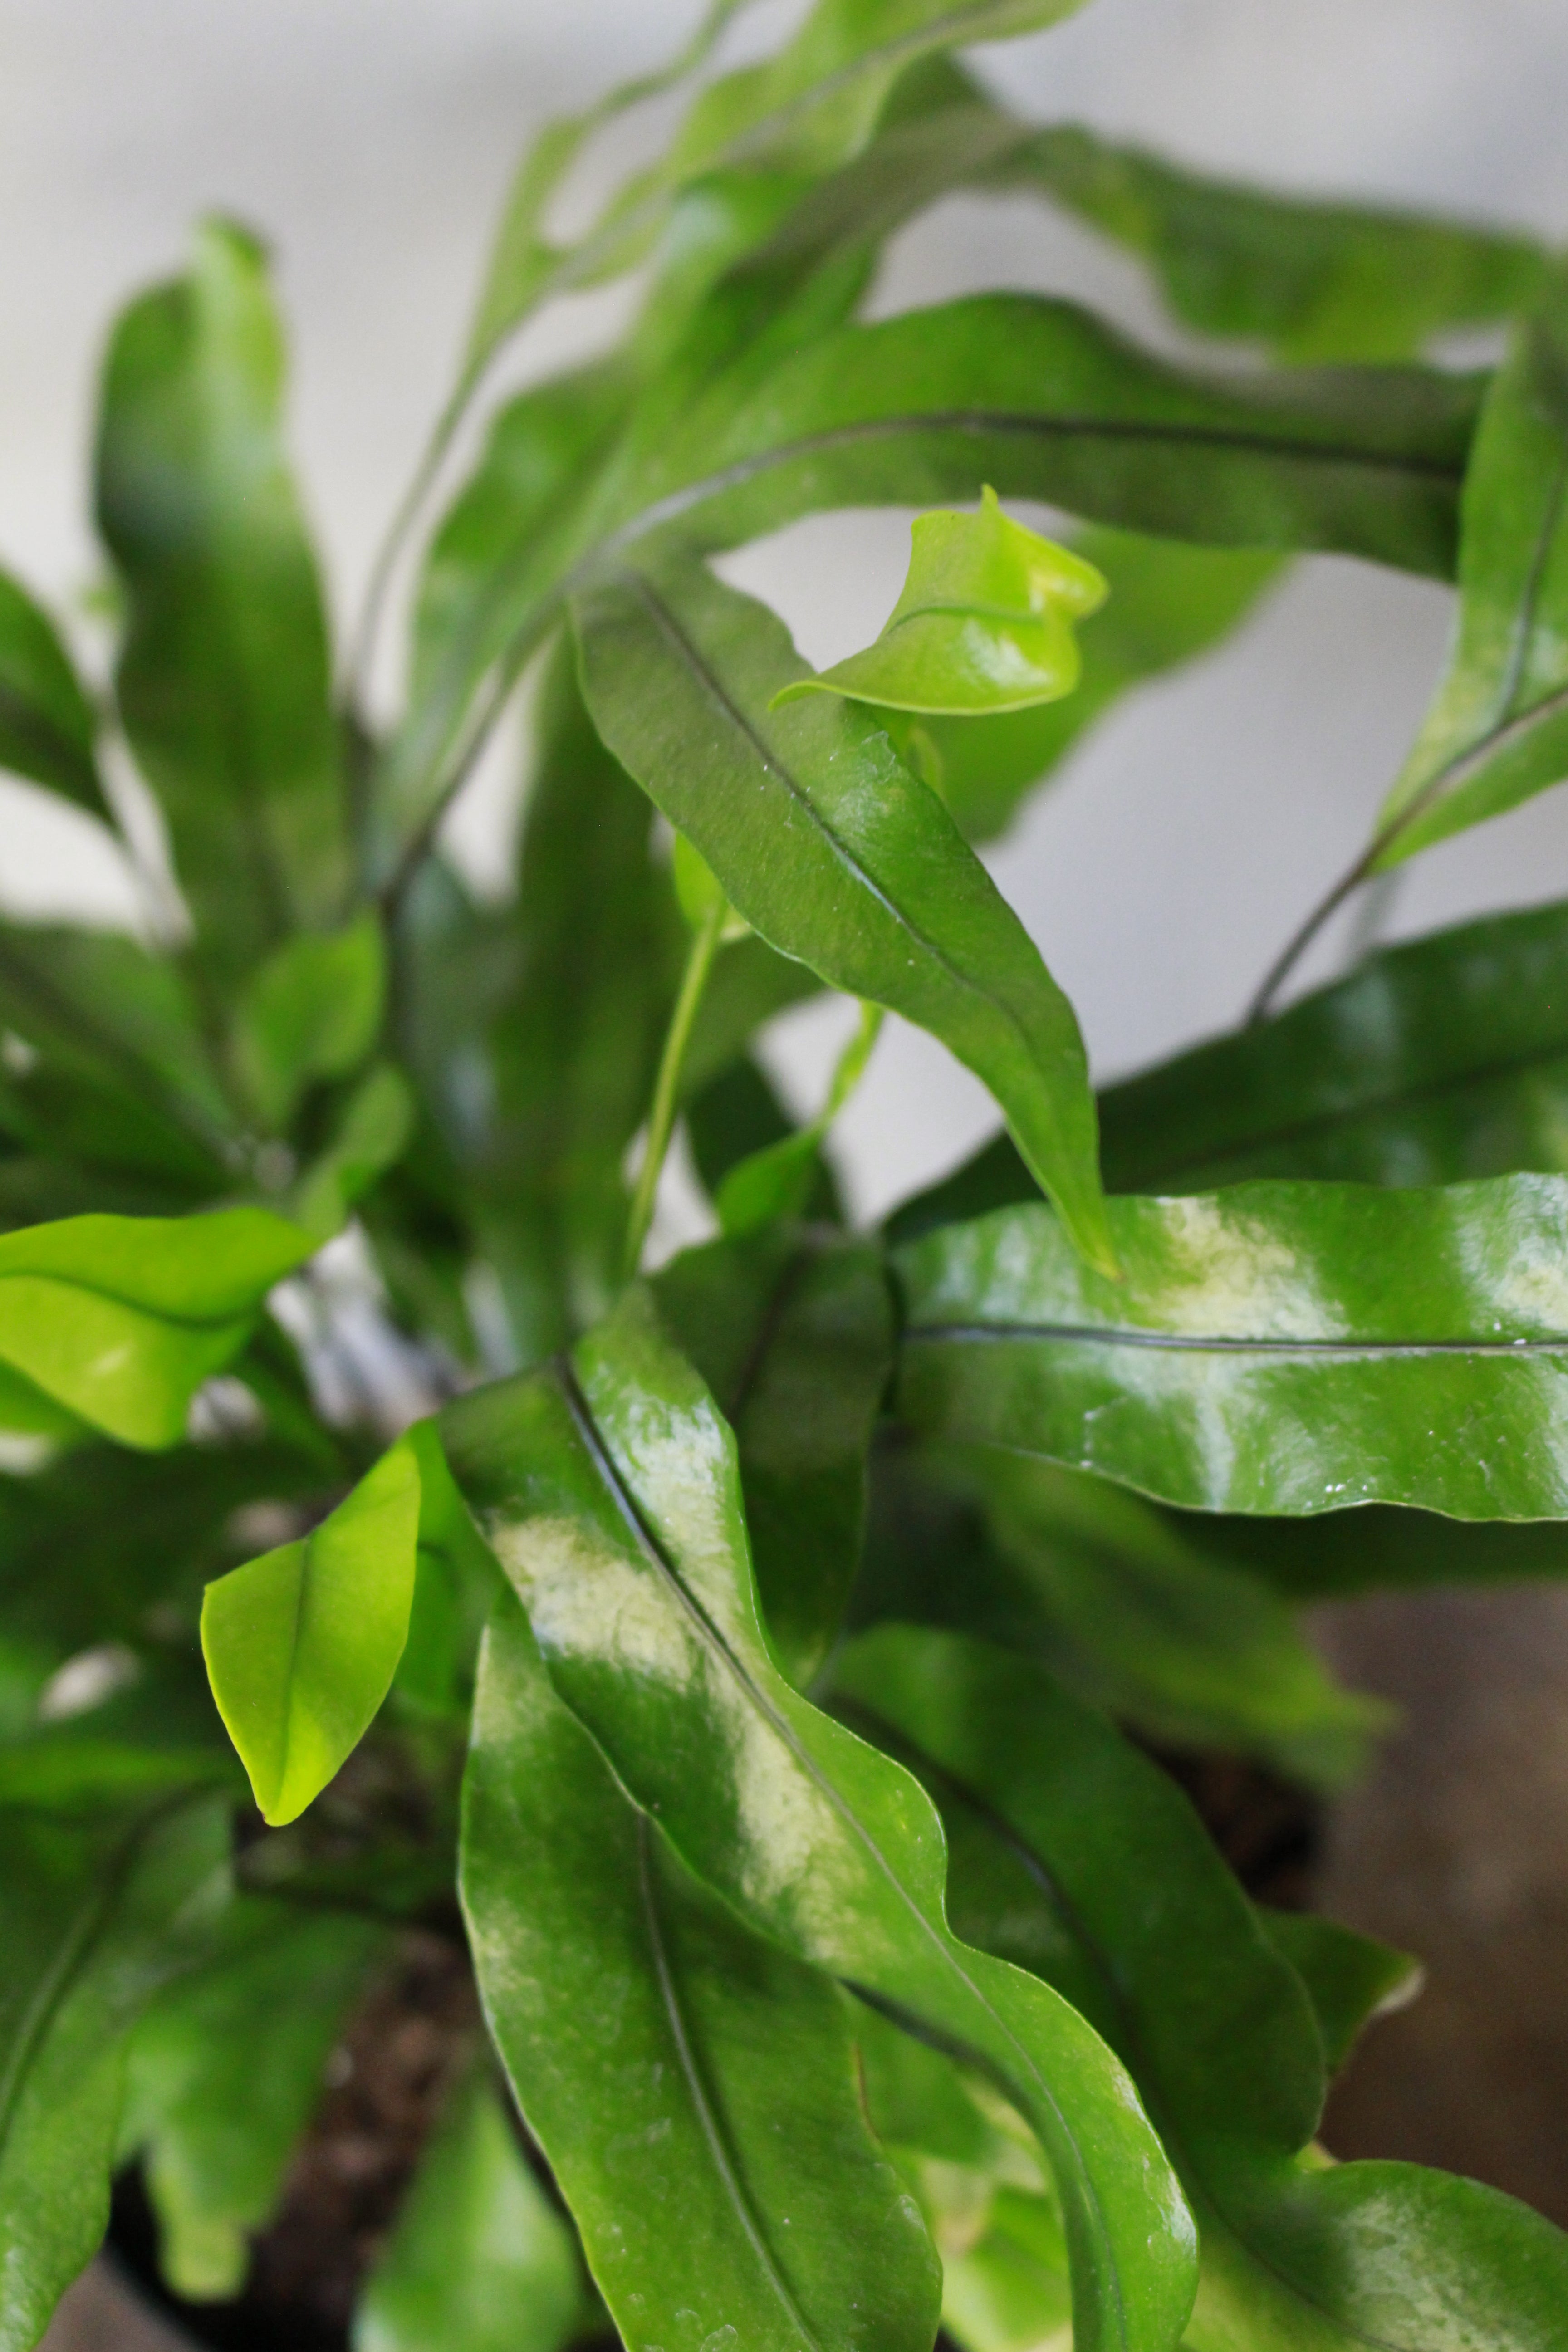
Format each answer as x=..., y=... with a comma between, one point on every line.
x=1168, y=605
x=1036, y=397
x=1277, y=1348
x=225, y=2070
x=780, y=1179
x=1043, y=401
x=795, y=1337
x=312, y=1011
x=122, y=1318
x=1131, y=1606
x=1079, y=1858
x=480, y=2261
x=834, y=852
x=692, y=2086
x=1349, y=1978
x=303, y=1644
x=48, y=729
x=984, y=623
x=99, y=1913
x=1497, y=731
x=223, y=682
x=976, y=2171
x=608, y=1488
x=1313, y=280
x=1442, y=1058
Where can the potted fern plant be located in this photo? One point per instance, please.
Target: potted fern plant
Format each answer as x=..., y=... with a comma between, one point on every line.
x=694, y=1721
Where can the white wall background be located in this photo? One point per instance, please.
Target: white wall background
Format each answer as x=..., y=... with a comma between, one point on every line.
x=372, y=140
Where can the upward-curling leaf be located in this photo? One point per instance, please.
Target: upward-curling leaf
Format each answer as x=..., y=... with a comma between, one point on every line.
x=607, y=1487
x=984, y=623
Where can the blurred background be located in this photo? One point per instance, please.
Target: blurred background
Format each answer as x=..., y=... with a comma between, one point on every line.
x=372, y=141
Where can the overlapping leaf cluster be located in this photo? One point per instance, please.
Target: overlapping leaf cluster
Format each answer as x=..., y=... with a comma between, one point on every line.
x=745, y=1664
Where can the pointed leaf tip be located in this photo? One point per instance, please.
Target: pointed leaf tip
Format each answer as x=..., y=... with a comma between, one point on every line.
x=302, y=1644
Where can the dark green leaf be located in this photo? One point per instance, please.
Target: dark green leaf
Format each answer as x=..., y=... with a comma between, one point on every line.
x=223, y=680
x=110, y=1065
x=1442, y=1058
x=795, y=1337
x=49, y=729
x=749, y=983
x=1044, y=402
x=537, y=1030
x=480, y=2260
x=1313, y=280
x=303, y=1644
x=97, y=1913
x=484, y=568
x=1035, y=398
x=1497, y=731
x=1079, y=1858
x=1277, y=1348
x=1127, y=1603
x=780, y=1180
x=153, y=1735
x=976, y=2171
x=138, y=1529
x=692, y=2086
x=122, y=1318
x=738, y=1113
x=608, y=1489
x=224, y=2072
x=834, y=852
x=1350, y=1979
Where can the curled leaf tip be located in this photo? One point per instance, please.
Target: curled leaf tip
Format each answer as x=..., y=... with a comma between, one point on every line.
x=984, y=623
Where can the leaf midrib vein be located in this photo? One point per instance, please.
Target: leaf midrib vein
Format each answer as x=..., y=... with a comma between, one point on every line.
x=1202, y=1343
x=714, y=689
x=946, y=1946
x=718, y=2147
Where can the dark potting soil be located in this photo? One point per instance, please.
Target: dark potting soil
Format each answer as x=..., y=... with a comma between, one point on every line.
x=388, y=2074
